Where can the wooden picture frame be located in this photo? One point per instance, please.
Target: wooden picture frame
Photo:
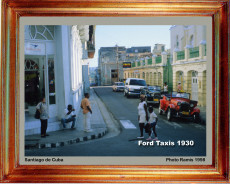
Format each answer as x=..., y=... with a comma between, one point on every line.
x=12, y=171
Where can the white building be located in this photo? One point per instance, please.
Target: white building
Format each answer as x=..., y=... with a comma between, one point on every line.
x=54, y=58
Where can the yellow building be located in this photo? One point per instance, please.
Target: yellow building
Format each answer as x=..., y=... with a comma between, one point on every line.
x=188, y=46
x=187, y=66
x=149, y=69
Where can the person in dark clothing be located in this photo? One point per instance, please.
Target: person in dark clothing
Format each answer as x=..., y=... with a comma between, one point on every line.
x=42, y=108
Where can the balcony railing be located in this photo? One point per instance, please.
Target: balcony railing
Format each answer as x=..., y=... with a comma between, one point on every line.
x=194, y=52
x=158, y=59
x=150, y=62
x=138, y=63
x=133, y=65
x=180, y=55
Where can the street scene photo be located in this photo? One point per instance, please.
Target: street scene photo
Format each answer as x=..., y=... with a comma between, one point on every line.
x=115, y=90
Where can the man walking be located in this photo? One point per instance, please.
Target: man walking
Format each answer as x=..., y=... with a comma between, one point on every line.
x=69, y=116
x=85, y=105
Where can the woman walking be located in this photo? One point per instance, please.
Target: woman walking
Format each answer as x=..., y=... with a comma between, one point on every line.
x=142, y=115
x=42, y=108
x=152, y=121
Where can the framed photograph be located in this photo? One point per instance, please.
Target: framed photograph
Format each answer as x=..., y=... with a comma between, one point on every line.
x=64, y=121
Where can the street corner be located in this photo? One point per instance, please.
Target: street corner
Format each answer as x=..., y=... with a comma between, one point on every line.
x=62, y=138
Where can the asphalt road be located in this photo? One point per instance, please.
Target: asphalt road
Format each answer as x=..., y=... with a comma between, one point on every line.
x=126, y=144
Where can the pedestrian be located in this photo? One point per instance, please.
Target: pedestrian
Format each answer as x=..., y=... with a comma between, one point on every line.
x=69, y=115
x=152, y=121
x=87, y=111
x=179, y=87
x=165, y=88
x=142, y=115
x=42, y=108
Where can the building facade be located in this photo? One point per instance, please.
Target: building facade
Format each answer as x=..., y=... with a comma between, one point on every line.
x=110, y=64
x=185, y=62
x=188, y=47
x=151, y=67
x=54, y=58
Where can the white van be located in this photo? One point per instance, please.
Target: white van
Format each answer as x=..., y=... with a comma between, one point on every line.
x=133, y=87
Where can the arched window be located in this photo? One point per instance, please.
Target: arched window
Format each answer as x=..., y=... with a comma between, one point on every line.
x=31, y=65
x=41, y=32
x=143, y=75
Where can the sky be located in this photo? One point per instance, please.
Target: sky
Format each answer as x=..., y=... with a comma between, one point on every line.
x=129, y=36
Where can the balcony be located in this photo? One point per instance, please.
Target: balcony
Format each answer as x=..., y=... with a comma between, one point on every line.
x=194, y=52
x=181, y=55
x=190, y=54
x=90, y=49
x=150, y=61
x=158, y=59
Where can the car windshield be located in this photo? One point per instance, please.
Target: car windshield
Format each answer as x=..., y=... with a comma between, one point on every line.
x=154, y=88
x=180, y=95
x=119, y=84
x=137, y=82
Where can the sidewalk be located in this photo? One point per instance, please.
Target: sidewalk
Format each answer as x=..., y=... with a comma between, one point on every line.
x=70, y=136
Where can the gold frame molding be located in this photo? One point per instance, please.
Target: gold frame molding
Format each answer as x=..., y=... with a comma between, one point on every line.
x=13, y=10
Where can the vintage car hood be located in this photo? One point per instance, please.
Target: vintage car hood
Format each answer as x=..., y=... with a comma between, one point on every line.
x=181, y=100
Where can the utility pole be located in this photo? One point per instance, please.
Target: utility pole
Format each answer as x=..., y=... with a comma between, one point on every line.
x=117, y=63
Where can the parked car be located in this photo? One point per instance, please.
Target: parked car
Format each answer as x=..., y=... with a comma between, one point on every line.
x=152, y=94
x=118, y=86
x=133, y=87
x=178, y=104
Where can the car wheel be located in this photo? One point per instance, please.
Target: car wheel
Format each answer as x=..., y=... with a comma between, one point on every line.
x=169, y=114
x=196, y=117
x=160, y=111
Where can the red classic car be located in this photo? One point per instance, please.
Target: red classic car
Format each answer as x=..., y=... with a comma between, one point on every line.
x=179, y=105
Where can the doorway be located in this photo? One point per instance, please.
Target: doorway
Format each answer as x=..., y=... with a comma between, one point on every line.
x=34, y=80
x=195, y=85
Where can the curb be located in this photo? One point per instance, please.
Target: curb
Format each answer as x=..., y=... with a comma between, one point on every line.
x=68, y=142
x=109, y=113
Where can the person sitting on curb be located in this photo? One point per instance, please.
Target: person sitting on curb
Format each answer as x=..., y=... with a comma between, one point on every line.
x=69, y=116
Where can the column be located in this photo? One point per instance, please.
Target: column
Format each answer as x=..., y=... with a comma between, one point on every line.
x=175, y=55
x=154, y=59
x=186, y=52
x=164, y=58
x=174, y=81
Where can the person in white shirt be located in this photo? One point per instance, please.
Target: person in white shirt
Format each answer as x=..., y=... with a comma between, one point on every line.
x=142, y=115
x=152, y=121
x=69, y=115
x=165, y=88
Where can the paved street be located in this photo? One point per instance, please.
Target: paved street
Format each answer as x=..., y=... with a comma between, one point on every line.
x=125, y=143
